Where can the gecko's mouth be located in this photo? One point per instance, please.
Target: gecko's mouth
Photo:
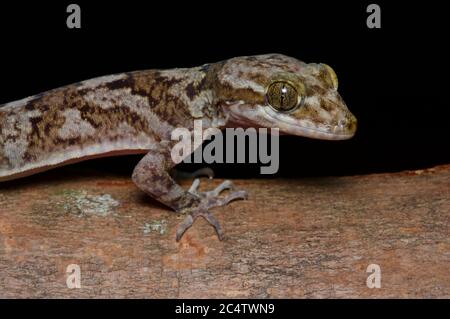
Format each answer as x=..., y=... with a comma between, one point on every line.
x=344, y=130
x=312, y=132
x=262, y=116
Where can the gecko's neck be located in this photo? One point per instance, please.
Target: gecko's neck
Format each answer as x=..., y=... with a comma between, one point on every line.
x=178, y=96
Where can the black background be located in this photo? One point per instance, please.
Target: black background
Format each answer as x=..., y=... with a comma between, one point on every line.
x=393, y=79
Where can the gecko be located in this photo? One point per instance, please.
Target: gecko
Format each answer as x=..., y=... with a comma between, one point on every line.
x=135, y=113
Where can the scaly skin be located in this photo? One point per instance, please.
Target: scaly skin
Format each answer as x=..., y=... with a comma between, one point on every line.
x=136, y=113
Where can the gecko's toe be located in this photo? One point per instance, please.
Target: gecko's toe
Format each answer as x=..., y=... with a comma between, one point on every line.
x=189, y=221
x=215, y=223
x=212, y=197
x=194, y=186
x=209, y=200
x=219, y=189
x=215, y=201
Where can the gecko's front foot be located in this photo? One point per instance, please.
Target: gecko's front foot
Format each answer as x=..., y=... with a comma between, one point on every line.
x=209, y=200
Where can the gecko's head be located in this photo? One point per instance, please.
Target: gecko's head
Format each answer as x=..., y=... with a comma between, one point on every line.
x=276, y=91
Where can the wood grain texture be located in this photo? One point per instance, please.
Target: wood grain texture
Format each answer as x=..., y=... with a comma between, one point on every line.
x=311, y=237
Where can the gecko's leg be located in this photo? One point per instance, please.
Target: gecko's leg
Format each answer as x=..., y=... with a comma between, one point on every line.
x=151, y=175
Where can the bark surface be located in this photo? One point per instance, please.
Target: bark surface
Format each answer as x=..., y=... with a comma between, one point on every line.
x=303, y=238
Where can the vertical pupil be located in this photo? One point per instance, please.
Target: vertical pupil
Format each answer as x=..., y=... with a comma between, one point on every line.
x=283, y=94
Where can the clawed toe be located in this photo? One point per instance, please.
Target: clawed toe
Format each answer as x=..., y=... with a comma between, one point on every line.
x=226, y=185
x=215, y=223
x=194, y=186
x=209, y=200
x=189, y=220
x=222, y=201
x=219, y=189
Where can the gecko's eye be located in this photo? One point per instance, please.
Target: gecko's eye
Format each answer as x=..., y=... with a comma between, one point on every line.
x=282, y=96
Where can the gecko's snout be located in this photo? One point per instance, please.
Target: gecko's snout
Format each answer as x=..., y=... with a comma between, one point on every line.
x=347, y=125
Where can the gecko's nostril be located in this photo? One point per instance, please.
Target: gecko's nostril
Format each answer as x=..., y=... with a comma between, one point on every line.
x=342, y=123
x=347, y=124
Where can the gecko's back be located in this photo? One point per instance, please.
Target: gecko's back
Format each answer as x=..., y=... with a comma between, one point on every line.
x=112, y=115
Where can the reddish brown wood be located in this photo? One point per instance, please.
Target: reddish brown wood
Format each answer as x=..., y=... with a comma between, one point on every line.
x=310, y=237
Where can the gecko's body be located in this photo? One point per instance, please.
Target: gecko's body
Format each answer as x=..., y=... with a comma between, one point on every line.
x=137, y=112
x=117, y=114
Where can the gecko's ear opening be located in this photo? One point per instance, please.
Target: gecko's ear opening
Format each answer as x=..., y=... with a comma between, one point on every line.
x=331, y=76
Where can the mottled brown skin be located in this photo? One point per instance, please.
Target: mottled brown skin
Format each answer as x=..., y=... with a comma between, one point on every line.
x=136, y=113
